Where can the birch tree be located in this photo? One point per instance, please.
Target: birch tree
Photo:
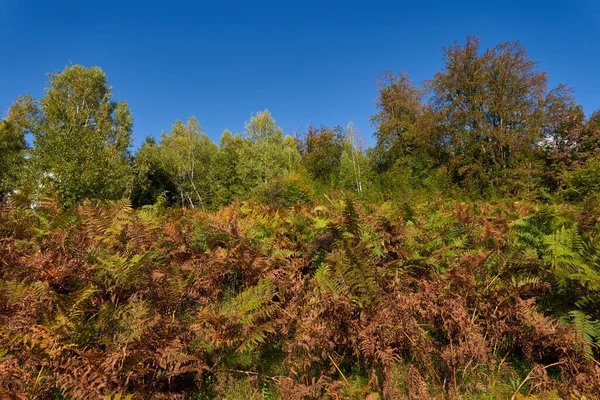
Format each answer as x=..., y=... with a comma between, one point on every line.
x=81, y=138
x=354, y=166
x=188, y=157
x=270, y=155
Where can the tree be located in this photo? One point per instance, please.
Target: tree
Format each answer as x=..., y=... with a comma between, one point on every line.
x=354, y=165
x=81, y=138
x=570, y=139
x=490, y=108
x=187, y=156
x=12, y=150
x=321, y=150
x=584, y=181
x=263, y=128
x=233, y=181
x=269, y=160
x=399, y=121
x=151, y=180
x=12, y=143
x=270, y=155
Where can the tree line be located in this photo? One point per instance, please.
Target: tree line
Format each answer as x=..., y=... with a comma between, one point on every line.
x=487, y=125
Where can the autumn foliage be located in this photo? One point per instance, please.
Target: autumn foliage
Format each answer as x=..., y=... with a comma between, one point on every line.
x=326, y=300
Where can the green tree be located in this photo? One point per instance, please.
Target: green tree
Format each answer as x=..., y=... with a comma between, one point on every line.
x=188, y=157
x=490, y=108
x=262, y=128
x=399, y=123
x=570, y=139
x=408, y=148
x=321, y=150
x=81, y=138
x=268, y=160
x=584, y=181
x=270, y=155
x=151, y=180
x=234, y=179
x=12, y=143
x=12, y=150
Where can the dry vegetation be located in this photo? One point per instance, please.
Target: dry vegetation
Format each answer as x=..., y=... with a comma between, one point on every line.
x=438, y=299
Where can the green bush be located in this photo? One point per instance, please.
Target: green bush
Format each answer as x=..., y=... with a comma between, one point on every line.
x=583, y=182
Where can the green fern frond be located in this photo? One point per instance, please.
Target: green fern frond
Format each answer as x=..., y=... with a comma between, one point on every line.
x=587, y=329
x=11, y=291
x=133, y=320
x=252, y=303
x=356, y=274
x=324, y=281
x=564, y=254
x=73, y=305
x=282, y=254
x=105, y=222
x=528, y=283
x=121, y=271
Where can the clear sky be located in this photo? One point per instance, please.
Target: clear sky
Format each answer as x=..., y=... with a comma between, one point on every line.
x=306, y=61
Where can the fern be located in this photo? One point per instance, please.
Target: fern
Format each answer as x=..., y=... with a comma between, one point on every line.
x=586, y=328
x=121, y=272
x=106, y=222
x=133, y=320
x=11, y=291
x=532, y=230
x=350, y=218
x=245, y=317
x=354, y=273
x=531, y=283
x=324, y=280
x=70, y=321
x=563, y=251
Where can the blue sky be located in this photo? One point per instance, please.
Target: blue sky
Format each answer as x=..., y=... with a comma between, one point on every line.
x=306, y=61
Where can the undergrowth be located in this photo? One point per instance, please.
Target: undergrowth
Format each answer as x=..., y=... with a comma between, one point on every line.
x=437, y=299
